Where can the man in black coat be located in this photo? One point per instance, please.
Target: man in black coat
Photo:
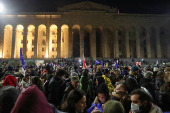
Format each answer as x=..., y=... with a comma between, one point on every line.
x=73, y=85
x=55, y=88
x=131, y=82
x=146, y=83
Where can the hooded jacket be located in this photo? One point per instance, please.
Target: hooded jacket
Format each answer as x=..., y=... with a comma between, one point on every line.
x=10, y=80
x=108, y=82
x=131, y=82
x=32, y=100
x=103, y=87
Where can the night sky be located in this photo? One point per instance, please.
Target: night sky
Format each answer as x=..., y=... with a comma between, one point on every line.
x=124, y=6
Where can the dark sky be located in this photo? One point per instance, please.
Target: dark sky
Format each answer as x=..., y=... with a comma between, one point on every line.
x=124, y=6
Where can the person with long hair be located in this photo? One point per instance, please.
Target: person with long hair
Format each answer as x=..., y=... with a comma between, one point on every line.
x=75, y=102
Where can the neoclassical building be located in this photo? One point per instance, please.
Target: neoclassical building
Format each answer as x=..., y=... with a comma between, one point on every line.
x=88, y=28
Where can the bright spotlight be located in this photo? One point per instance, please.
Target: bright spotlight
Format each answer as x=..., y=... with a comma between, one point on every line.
x=1, y=8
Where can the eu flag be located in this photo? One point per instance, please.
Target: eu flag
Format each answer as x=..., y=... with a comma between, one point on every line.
x=22, y=59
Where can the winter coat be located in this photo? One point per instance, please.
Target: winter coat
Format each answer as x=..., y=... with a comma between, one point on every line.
x=97, y=74
x=67, y=91
x=146, y=83
x=158, y=83
x=55, y=91
x=32, y=100
x=109, y=83
x=102, y=88
x=131, y=83
x=152, y=109
x=85, y=84
x=97, y=104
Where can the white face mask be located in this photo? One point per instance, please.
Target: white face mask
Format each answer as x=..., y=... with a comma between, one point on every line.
x=135, y=108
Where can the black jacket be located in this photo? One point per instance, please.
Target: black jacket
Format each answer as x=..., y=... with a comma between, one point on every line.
x=94, y=78
x=67, y=91
x=131, y=83
x=55, y=91
x=146, y=83
x=158, y=83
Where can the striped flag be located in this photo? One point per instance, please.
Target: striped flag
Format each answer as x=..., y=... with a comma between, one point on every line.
x=84, y=63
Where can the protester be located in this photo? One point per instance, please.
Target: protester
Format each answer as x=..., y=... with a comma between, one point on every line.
x=32, y=100
x=76, y=102
x=8, y=97
x=141, y=103
x=26, y=81
x=106, y=77
x=131, y=82
x=102, y=97
x=55, y=88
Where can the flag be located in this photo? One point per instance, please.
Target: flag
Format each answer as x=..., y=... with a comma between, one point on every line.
x=106, y=64
x=84, y=63
x=101, y=63
x=22, y=59
x=157, y=62
x=97, y=62
x=116, y=63
x=63, y=38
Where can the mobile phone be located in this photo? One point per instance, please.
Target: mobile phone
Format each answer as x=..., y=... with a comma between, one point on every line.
x=96, y=111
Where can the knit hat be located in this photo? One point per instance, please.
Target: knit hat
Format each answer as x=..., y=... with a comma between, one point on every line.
x=148, y=74
x=10, y=80
x=113, y=106
x=135, y=68
x=74, y=78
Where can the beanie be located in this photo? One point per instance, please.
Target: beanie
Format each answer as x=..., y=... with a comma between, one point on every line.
x=113, y=106
x=135, y=68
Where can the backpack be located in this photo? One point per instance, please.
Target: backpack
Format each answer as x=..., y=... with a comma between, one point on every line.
x=89, y=87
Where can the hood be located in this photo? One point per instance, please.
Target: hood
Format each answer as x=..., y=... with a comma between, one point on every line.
x=100, y=80
x=104, y=89
x=8, y=97
x=10, y=80
x=32, y=100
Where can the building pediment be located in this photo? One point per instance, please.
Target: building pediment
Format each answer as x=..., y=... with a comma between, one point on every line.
x=87, y=6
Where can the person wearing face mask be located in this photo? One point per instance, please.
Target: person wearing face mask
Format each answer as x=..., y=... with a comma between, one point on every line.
x=140, y=103
x=26, y=82
x=106, y=77
x=131, y=82
x=55, y=88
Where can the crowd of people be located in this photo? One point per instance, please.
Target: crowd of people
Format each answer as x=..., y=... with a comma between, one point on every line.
x=97, y=89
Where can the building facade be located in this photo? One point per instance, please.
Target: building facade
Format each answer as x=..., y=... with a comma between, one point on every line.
x=87, y=28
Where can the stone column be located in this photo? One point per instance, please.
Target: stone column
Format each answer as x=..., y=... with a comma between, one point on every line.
x=47, y=40
x=1, y=37
x=81, y=43
x=93, y=44
x=2, y=40
x=58, y=42
x=70, y=49
x=13, y=41
x=167, y=42
x=116, y=43
x=105, y=44
x=127, y=44
x=35, y=41
x=148, y=46
x=158, y=45
x=25, y=41
x=138, y=43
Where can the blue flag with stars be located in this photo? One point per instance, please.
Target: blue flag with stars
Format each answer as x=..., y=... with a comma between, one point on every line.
x=22, y=59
